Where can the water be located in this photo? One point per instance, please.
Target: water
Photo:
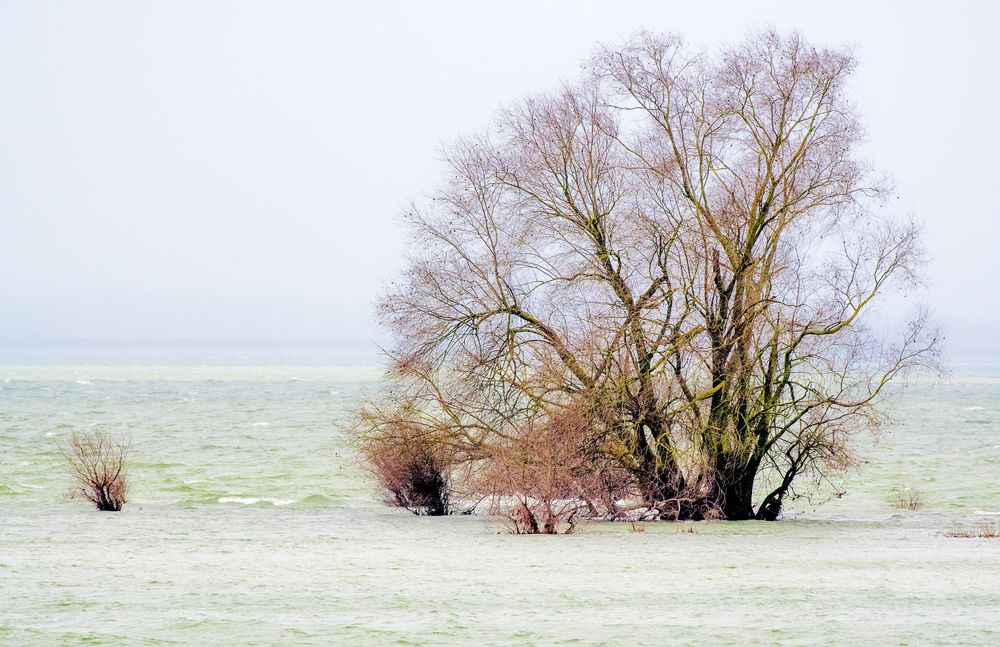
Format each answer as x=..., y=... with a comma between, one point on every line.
x=250, y=522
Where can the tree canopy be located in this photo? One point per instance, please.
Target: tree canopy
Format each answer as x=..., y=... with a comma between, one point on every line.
x=669, y=271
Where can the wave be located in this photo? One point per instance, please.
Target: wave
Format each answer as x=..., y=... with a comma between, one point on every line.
x=988, y=512
x=317, y=499
x=19, y=488
x=255, y=500
x=158, y=466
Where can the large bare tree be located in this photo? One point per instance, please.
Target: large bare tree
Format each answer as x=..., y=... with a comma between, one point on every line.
x=684, y=247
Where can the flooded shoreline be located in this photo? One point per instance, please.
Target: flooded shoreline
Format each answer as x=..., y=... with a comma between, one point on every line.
x=251, y=522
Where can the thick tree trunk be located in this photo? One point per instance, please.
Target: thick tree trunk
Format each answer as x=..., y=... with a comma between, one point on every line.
x=665, y=489
x=732, y=488
x=737, y=496
x=662, y=483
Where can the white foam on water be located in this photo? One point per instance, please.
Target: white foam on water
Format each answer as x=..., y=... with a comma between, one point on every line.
x=261, y=424
x=988, y=512
x=49, y=434
x=255, y=500
x=33, y=487
x=84, y=382
x=193, y=481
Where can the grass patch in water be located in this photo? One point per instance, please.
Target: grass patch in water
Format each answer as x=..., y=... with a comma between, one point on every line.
x=908, y=499
x=986, y=530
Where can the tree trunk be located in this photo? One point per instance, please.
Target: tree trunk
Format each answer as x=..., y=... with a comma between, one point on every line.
x=770, y=508
x=737, y=504
x=665, y=488
x=733, y=488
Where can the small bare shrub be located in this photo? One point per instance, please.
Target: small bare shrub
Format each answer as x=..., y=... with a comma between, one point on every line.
x=411, y=468
x=691, y=530
x=986, y=530
x=907, y=499
x=543, y=480
x=98, y=464
x=635, y=527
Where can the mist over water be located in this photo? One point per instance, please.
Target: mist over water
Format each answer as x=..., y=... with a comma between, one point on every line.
x=250, y=521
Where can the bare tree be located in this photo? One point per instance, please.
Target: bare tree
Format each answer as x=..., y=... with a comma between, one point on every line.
x=683, y=245
x=98, y=464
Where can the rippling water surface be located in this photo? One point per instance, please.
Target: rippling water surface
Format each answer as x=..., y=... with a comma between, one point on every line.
x=250, y=523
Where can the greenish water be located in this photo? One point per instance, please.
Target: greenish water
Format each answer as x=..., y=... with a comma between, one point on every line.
x=250, y=523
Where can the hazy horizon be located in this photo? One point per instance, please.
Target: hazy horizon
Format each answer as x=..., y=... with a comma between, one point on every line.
x=234, y=171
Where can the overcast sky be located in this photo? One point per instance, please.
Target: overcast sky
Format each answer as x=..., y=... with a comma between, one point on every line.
x=236, y=169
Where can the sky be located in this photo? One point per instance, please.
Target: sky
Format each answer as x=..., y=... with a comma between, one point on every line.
x=236, y=170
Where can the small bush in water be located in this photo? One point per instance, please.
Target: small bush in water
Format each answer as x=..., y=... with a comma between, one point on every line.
x=412, y=469
x=908, y=499
x=97, y=462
